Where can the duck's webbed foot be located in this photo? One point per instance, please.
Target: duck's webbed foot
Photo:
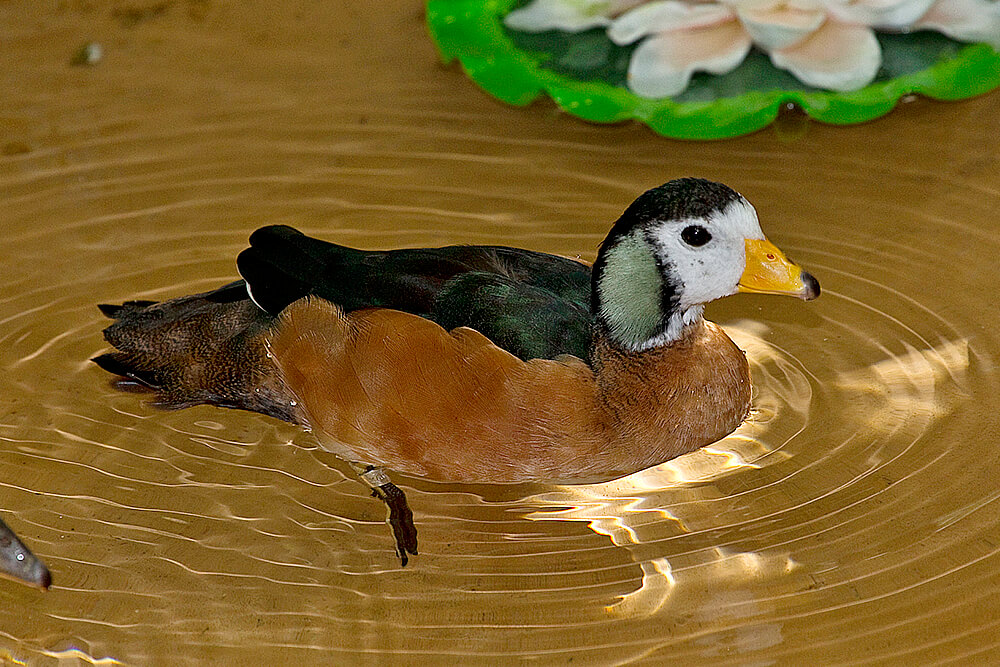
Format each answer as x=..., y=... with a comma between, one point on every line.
x=400, y=516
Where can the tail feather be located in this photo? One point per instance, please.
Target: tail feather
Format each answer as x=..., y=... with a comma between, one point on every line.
x=118, y=364
x=114, y=311
x=204, y=348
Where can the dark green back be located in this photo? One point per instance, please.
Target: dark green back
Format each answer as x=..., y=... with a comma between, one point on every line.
x=531, y=304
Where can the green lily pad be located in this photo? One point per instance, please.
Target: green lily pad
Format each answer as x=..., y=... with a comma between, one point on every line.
x=585, y=73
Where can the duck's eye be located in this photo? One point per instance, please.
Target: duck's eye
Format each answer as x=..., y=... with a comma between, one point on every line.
x=696, y=236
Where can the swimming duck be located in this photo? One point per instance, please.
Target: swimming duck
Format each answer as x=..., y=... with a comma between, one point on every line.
x=18, y=563
x=482, y=364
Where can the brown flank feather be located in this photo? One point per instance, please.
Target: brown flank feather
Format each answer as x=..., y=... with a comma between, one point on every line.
x=384, y=386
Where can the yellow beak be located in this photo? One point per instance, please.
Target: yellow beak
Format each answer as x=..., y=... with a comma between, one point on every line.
x=768, y=271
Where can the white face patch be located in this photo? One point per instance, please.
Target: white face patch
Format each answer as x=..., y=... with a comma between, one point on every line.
x=712, y=270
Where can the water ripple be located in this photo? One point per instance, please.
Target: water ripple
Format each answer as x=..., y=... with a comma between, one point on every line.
x=851, y=519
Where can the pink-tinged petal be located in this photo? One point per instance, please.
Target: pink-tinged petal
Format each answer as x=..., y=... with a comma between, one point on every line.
x=836, y=57
x=890, y=14
x=663, y=64
x=778, y=25
x=666, y=16
x=616, y=7
x=568, y=15
x=965, y=20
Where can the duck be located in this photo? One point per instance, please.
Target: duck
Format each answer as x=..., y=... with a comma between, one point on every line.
x=18, y=563
x=474, y=363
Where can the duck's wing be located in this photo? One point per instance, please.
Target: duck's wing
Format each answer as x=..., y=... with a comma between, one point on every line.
x=529, y=322
x=380, y=385
x=532, y=304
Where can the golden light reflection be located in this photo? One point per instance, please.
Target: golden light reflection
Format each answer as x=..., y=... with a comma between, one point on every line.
x=7, y=659
x=719, y=570
x=673, y=499
x=910, y=389
x=657, y=584
x=76, y=656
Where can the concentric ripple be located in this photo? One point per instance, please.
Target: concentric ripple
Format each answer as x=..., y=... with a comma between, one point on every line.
x=853, y=519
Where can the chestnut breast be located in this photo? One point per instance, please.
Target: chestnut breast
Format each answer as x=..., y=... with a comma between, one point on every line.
x=385, y=387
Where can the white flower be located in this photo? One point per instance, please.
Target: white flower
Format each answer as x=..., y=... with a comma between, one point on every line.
x=800, y=36
x=965, y=20
x=568, y=15
x=825, y=43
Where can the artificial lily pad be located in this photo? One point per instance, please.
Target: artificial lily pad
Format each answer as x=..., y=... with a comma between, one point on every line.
x=585, y=74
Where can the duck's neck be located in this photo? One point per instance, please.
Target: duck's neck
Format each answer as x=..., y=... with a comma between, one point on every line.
x=636, y=307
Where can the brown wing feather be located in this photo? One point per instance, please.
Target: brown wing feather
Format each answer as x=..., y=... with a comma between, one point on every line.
x=383, y=386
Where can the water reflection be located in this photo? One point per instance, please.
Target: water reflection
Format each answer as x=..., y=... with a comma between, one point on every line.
x=910, y=389
x=648, y=512
x=75, y=656
x=238, y=541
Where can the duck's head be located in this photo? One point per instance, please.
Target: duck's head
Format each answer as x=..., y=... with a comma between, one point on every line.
x=676, y=248
x=18, y=563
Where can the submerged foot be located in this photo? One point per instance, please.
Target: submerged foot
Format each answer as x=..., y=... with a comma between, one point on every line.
x=400, y=516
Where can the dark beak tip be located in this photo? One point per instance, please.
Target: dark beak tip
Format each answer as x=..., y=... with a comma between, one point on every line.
x=812, y=287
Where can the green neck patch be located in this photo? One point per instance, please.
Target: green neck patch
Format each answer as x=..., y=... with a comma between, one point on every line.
x=629, y=291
